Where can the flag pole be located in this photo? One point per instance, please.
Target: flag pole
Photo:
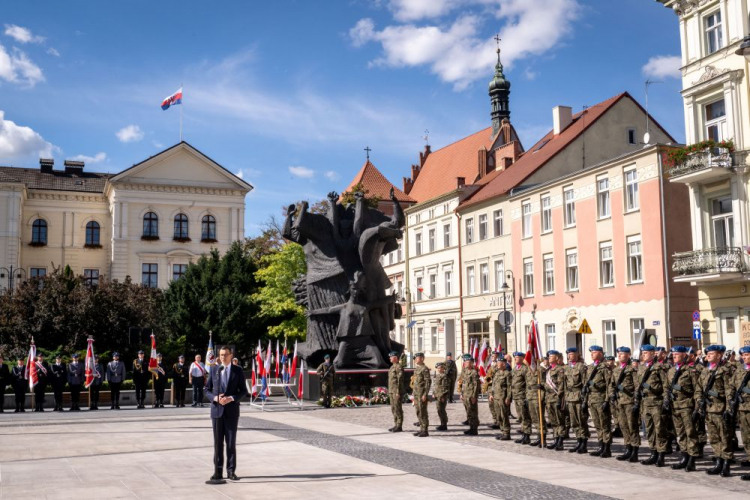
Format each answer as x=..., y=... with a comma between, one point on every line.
x=33, y=397
x=182, y=104
x=90, y=338
x=539, y=380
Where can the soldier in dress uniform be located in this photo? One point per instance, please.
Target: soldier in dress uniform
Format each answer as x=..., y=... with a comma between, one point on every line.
x=683, y=380
x=115, y=377
x=422, y=383
x=441, y=391
x=76, y=378
x=180, y=379
x=470, y=394
x=43, y=374
x=96, y=384
x=575, y=379
x=535, y=396
x=501, y=396
x=395, y=391
x=520, y=371
x=599, y=387
x=140, y=379
x=713, y=395
x=741, y=403
x=326, y=372
x=160, y=381
x=4, y=381
x=555, y=385
x=651, y=397
x=487, y=389
x=58, y=379
x=624, y=383
x=451, y=371
x=20, y=384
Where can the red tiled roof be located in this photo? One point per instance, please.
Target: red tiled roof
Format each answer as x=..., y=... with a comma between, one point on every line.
x=376, y=184
x=500, y=182
x=460, y=159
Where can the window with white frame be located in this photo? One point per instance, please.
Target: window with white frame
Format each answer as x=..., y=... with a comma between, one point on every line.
x=546, y=214
x=448, y=283
x=603, y=205
x=571, y=265
x=484, y=277
x=499, y=275
x=526, y=220
x=637, y=325
x=716, y=120
x=482, y=227
x=469, y=230
x=551, y=336
x=549, y=275
x=91, y=277
x=722, y=222
x=418, y=243
x=37, y=272
x=610, y=337
x=433, y=338
x=714, y=38
x=399, y=253
x=431, y=213
x=497, y=218
x=631, y=190
x=390, y=258
x=431, y=239
x=570, y=208
x=528, y=277
x=420, y=339
x=606, y=265
x=419, y=288
x=447, y=236
x=433, y=286
x=635, y=260
x=470, y=285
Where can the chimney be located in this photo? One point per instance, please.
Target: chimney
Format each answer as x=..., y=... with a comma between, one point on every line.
x=561, y=118
x=482, y=162
x=423, y=156
x=460, y=182
x=46, y=164
x=73, y=167
x=408, y=184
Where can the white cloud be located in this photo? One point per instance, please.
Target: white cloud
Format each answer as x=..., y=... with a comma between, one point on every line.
x=131, y=133
x=21, y=143
x=663, y=67
x=239, y=174
x=332, y=176
x=53, y=52
x=22, y=35
x=157, y=144
x=302, y=172
x=458, y=52
x=97, y=158
x=530, y=74
x=16, y=67
x=414, y=10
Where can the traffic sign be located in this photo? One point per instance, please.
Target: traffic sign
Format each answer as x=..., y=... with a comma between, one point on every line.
x=696, y=333
x=696, y=315
x=505, y=318
x=584, y=328
x=696, y=325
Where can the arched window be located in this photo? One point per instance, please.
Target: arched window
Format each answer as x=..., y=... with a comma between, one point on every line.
x=181, y=227
x=39, y=232
x=92, y=233
x=151, y=225
x=208, y=228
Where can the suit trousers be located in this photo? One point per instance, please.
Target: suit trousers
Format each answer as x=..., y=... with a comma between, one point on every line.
x=75, y=394
x=115, y=388
x=225, y=431
x=198, y=383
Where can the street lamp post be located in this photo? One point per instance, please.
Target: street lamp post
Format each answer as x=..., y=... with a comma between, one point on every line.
x=11, y=274
x=505, y=288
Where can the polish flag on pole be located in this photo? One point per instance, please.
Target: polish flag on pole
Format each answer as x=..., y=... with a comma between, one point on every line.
x=475, y=354
x=31, y=372
x=172, y=100
x=277, y=358
x=259, y=359
x=300, y=384
x=253, y=379
x=500, y=348
x=90, y=365
x=534, y=352
x=483, y=357
x=267, y=369
x=293, y=368
x=153, y=364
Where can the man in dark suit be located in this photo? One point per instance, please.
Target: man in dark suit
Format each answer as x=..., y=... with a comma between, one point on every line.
x=58, y=379
x=225, y=389
x=4, y=380
x=42, y=373
x=76, y=378
x=19, y=385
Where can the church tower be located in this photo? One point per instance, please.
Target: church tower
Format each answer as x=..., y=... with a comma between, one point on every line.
x=499, y=91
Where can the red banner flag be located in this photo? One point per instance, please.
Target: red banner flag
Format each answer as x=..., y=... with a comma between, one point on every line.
x=90, y=364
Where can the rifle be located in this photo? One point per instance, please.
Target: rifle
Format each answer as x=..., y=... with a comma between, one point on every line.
x=639, y=390
x=670, y=395
x=616, y=395
x=738, y=396
x=700, y=410
x=326, y=372
x=587, y=389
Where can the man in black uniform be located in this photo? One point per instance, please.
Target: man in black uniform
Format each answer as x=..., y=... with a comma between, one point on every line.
x=96, y=385
x=76, y=377
x=115, y=377
x=140, y=379
x=180, y=379
x=19, y=385
x=160, y=382
x=58, y=379
x=4, y=380
x=42, y=373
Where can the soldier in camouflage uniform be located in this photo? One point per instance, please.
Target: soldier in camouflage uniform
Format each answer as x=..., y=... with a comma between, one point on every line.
x=599, y=389
x=555, y=386
x=651, y=397
x=700, y=429
x=683, y=380
x=487, y=389
x=741, y=383
x=451, y=371
x=575, y=378
x=713, y=395
x=441, y=392
x=422, y=383
x=326, y=372
x=624, y=383
x=501, y=396
x=470, y=394
x=535, y=391
x=395, y=394
x=519, y=396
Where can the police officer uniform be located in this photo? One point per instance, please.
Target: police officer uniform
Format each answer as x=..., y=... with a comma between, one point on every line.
x=326, y=372
x=43, y=374
x=115, y=377
x=160, y=382
x=180, y=380
x=58, y=379
x=19, y=383
x=76, y=377
x=395, y=392
x=96, y=384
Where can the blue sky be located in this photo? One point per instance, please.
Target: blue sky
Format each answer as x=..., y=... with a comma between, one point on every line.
x=288, y=93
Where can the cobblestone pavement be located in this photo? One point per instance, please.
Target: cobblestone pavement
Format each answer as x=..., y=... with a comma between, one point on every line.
x=380, y=416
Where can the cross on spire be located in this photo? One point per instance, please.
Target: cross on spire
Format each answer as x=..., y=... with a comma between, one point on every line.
x=426, y=136
x=367, y=149
x=497, y=40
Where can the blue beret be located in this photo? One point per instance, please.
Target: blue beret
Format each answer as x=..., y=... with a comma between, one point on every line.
x=679, y=348
x=723, y=348
x=439, y=364
x=713, y=347
x=467, y=357
x=596, y=348
x=392, y=353
x=661, y=348
x=623, y=349
x=553, y=353
x=745, y=350
x=517, y=353
x=571, y=349
x=648, y=348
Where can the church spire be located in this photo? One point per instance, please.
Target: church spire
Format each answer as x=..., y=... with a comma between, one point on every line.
x=499, y=90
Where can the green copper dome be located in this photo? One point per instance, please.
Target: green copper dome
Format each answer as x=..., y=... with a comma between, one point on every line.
x=499, y=82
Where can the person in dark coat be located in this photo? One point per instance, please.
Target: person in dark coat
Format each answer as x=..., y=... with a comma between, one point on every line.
x=4, y=381
x=96, y=385
x=18, y=381
x=115, y=377
x=140, y=378
x=180, y=380
x=43, y=374
x=58, y=379
x=76, y=378
x=160, y=382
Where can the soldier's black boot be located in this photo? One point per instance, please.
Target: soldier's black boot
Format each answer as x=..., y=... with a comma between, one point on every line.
x=700, y=449
x=398, y=429
x=503, y=437
x=716, y=469
x=560, y=443
x=660, y=459
x=690, y=465
x=472, y=431
x=584, y=447
x=599, y=451
x=578, y=447
x=441, y=427
x=651, y=460
x=626, y=455
x=682, y=463
x=552, y=444
x=725, y=472
x=607, y=453
x=518, y=441
x=669, y=446
x=745, y=477
x=465, y=422
x=536, y=443
x=634, y=456
x=526, y=439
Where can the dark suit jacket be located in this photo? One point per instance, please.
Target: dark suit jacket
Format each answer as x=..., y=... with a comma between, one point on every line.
x=235, y=387
x=4, y=376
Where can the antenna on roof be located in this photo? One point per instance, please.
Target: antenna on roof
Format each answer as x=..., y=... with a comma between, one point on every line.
x=647, y=136
x=583, y=137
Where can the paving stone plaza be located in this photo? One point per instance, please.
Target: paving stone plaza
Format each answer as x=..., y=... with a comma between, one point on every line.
x=311, y=453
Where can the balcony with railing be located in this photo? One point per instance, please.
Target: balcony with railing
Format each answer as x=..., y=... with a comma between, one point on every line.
x=705, y=164
x=711, y=265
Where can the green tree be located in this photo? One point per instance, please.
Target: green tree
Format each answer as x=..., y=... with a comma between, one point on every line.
x=275, y=297
x=347, y=197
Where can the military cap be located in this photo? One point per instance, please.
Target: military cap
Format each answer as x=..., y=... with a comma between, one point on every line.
x=553, y=352
x=661, y=348
x=744, y=350
x=467, y=357
x=571, y=349
x=75, y=355
x=679, y=348
x=141, y=352
x=713, y=347
x=517, y=353
x=392, y=353
x=439, y=364
x=182, y=356
x=623, y=349
x=158, y=355
x=500, y=358
x=648, y=348
x=596, y=348
x=609, y=358
x=115, y=354
x=722, y=348
x=419, y=354
x=58, y=356
x=327, y=356
x=449, y=354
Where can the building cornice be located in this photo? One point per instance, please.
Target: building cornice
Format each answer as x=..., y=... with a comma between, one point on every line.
x=712, y=76
x=177, y=189
x=66, y=196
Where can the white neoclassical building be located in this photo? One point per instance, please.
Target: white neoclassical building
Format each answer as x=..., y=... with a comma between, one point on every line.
x=147, y=222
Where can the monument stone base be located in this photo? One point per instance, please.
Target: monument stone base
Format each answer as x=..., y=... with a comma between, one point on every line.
x=356, y=382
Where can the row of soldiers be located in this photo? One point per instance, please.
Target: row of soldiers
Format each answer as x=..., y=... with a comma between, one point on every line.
x=60, y=375
x=675, y=397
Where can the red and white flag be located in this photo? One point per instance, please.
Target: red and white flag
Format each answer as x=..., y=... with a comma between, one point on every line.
x=259, y=359
x=90, y=365
x=300, y=383
x=475, y=354
x=534, y=352
x=278, y=373
x=153, y=363
x=484, y=355
x=253, y=379
x=267, y=368
x=293, y=368
x=31, y=371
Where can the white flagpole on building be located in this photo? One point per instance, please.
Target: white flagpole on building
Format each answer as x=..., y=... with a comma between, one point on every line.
x=182, y=104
